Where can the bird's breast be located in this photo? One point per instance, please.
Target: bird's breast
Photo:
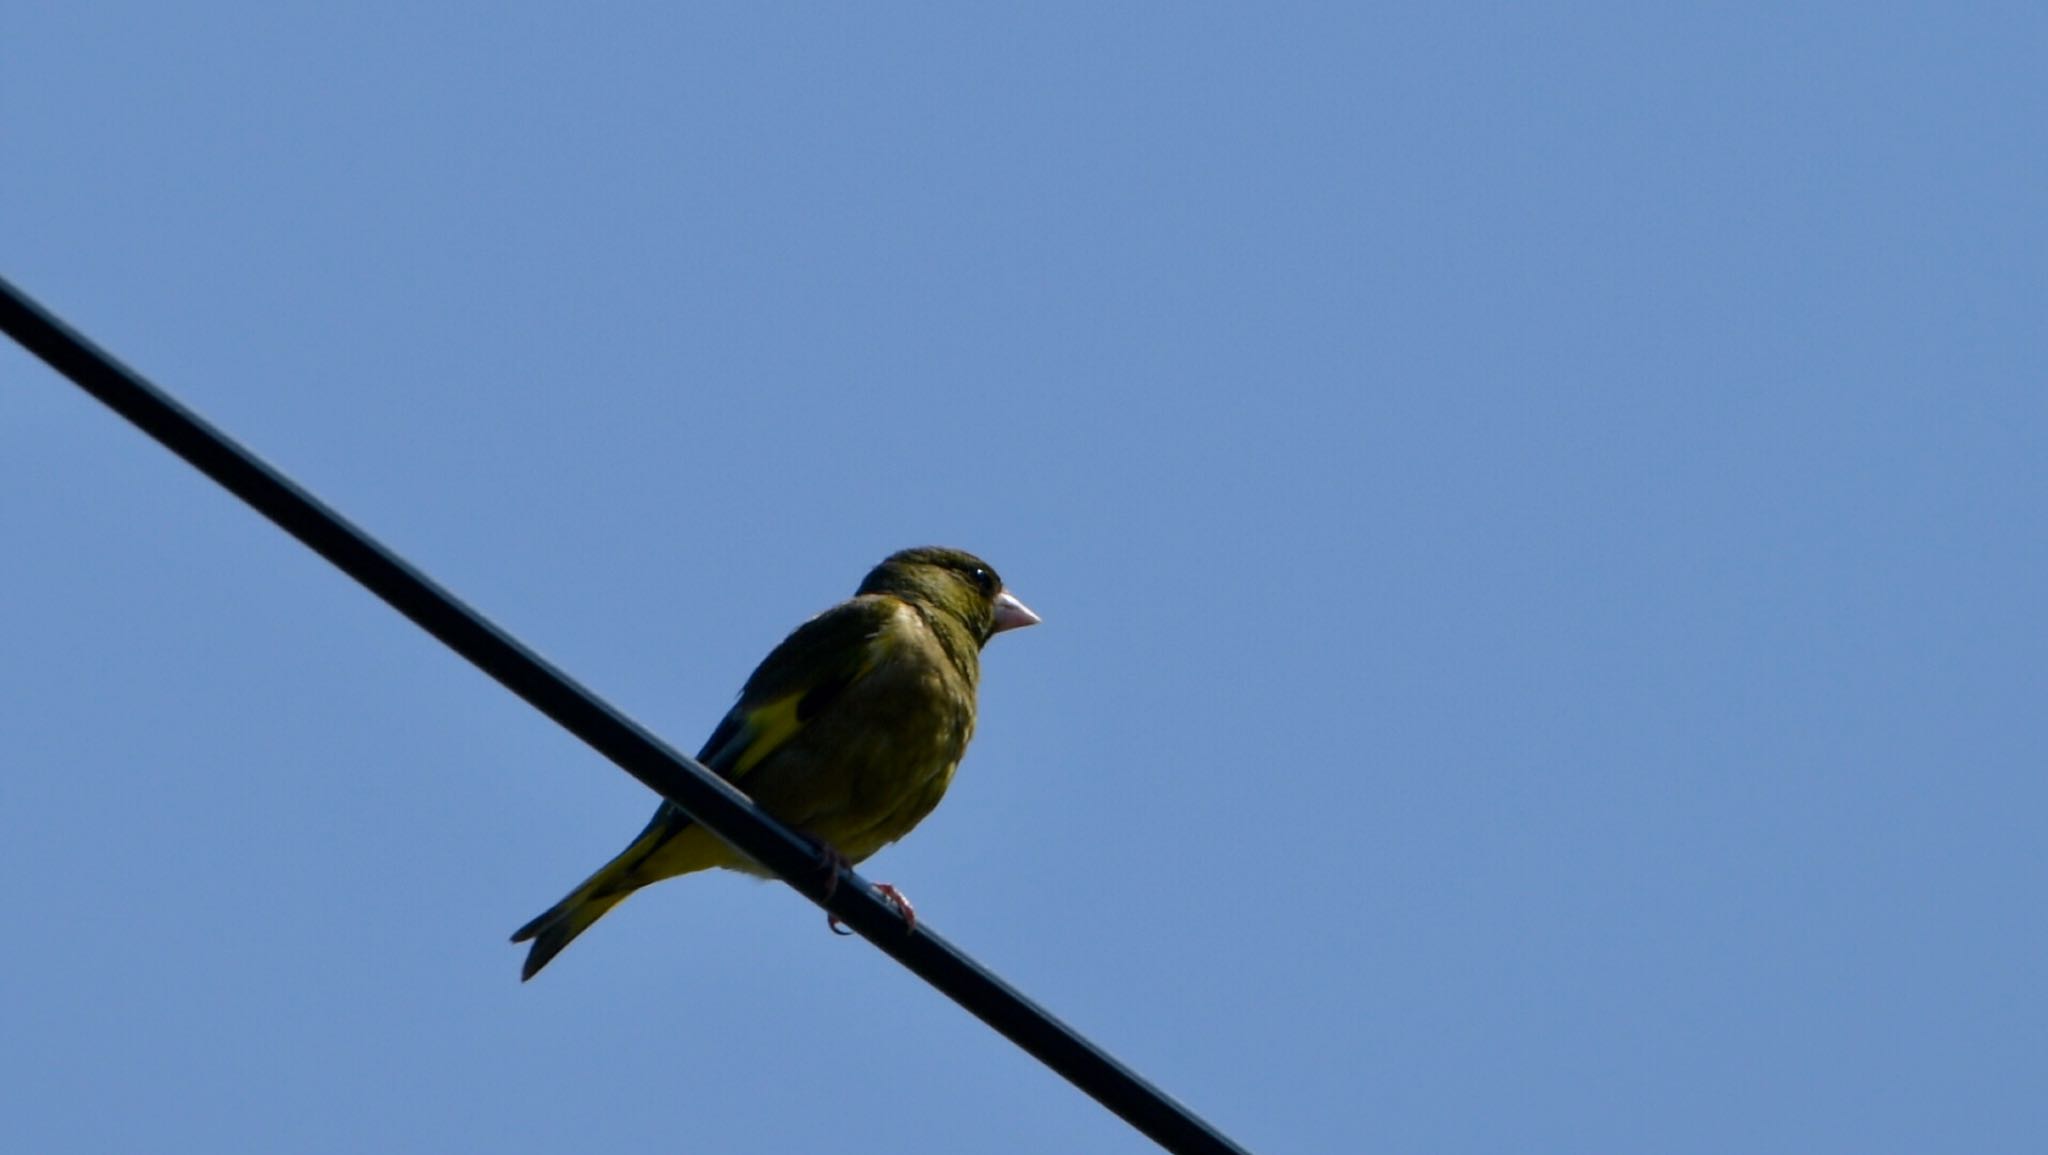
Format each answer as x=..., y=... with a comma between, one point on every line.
x=915, y=717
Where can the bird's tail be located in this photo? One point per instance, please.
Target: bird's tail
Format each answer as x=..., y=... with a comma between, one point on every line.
x=562, y=922
x=568, y=918
x=668, y=847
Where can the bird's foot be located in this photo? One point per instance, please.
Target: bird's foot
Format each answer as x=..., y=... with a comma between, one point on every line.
x=888, y=894
x=832, y=862
x=900, y=901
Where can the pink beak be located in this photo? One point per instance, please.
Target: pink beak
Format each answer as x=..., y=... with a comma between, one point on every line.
x=1012, y=614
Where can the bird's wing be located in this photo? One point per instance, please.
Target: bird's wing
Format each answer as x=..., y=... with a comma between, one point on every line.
x=797, y=681
x=793, y=684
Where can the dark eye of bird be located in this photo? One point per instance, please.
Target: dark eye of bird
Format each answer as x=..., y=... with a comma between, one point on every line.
x=983, y=579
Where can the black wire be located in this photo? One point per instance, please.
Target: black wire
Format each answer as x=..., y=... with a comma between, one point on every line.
x=707, y=798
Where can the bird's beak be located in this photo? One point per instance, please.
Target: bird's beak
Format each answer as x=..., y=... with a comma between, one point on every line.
x=1012, y=614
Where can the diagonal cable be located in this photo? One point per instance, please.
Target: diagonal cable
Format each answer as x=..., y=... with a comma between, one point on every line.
x=682, y=780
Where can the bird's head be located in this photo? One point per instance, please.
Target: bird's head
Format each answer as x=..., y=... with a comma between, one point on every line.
x=955, y=582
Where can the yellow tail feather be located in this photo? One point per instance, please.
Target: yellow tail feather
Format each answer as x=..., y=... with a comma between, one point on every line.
x=660, y=852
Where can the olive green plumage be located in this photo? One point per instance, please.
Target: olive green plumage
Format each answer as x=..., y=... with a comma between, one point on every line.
x=849, y=731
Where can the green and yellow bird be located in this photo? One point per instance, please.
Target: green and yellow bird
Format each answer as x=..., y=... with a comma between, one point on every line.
x=849, y=731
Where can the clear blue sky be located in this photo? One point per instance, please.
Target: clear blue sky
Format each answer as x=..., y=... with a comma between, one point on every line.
x=1538, y=512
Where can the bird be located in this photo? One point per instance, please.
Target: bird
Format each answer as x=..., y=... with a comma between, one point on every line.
x=849, y=731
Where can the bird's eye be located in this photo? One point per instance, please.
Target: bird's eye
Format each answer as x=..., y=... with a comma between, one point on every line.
x=983, y=579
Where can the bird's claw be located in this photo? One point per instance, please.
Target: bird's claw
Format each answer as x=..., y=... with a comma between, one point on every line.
x=889, y=894
x=832, y=862
x=897, y=899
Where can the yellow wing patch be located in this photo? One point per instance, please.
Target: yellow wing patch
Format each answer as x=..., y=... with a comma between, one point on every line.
x=768, y=727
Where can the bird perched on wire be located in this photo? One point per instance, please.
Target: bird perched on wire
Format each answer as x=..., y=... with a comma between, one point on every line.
x=849, y=731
